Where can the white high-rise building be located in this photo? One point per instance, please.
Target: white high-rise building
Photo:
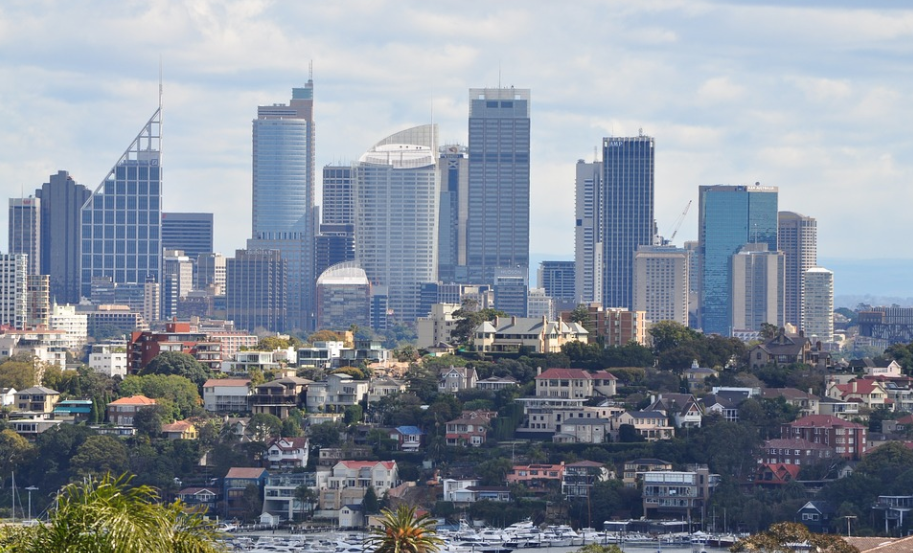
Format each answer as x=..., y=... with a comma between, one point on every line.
x=587, y=234
x=13, y=289
x=818, y=310
x=397, y=189
x=76, y=325
x=25, y=230
x=756, y=287
x=661, y=283
x=797, y=238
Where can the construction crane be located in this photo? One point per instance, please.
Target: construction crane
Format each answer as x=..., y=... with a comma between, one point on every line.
x=679, y=221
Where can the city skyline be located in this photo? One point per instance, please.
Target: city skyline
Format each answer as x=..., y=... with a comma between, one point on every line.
x=815, y=107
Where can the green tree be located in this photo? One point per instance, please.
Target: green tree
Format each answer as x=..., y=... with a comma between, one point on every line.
x=148, y=421
x=370, y=502
x=100, y=455
x=17, y=374
x=781, y=537
x=468, y=317
x=15, y=451
x=177, y=389
x=353, y=414
x=886, y=462
x=598, y=548
x=327, y=434
x=264, y=426
x=402, y=531
x=291, y=428
x=180, y=364
x=307, y=497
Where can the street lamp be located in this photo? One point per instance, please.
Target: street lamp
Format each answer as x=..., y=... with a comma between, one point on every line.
x=30, y=489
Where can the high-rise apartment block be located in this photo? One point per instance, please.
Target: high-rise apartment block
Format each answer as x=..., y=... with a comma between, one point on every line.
x=284, y=215
x=13, y=289
x=757, y=287
x=661, y=282
x=38, y=310
x=397, y=188
x=121, y=221
x=498, y=195
x=557, y=278
x=210, y=271
x=192, y=233
x=627, y=215
x=588, y=232
x=25, y=230
x=454, y=213
x=818, y=308
x=797, y=236
x=177, y=280
x=257, y=290
x=730, y=217
x=61, y=206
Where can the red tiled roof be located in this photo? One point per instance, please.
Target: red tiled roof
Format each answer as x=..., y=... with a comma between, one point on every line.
x=133, y=400
x=294, y=443
x=362, y=464
x=824, y=421
x=566, y=373
x=862, y=387
x=179, y=426
x=604, y=375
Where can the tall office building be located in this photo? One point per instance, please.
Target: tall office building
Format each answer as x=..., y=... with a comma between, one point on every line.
x=38, y=311
x=797, y=236
x=61, y=205
x=757, y=287
x=730, y=217
x=397, y=187
x=343, y=297
x=257, y=290
x=121, y=220
x=498, y=196
x=454, y=213
x=512, y=291
x=177, y=280
x=284, y=215
x=13, y=289
x=192, y=233
x=25, y=230
x=558, y=280
x=210, y=271
x=335, y=242
x=627, y=213
x=694, y=282
x=818, y=311
x=661, y=283
x=588, y=232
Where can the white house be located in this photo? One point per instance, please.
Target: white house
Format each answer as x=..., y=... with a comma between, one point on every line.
x=227, y=395
x=109, y=359
x=287, y=453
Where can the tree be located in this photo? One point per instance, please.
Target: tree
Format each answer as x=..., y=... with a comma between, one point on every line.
x=597, y=548
x=264, y=426
x=468, y=317
x=370, y=502
x=148, y=421
x=17, y=374
x=14, y=452
x=180, y=364
x=184, y=394
x=327, y=434
x=402, y=531
x=100, y=455
x=353, y=414
x=780, y=537
x=109, y=515
x=307, y=497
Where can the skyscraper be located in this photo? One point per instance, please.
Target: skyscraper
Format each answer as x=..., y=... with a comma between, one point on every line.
x=61, y=205
x=454, y=213
x=192, y=233
x=557, y=279
x=498, y=195
x=25, y=230
x=588, y=232
x=661, y=283
x=397, y=187
x=627, y=214
x=757, y=287
x=256, y=290
x=797, y=236
x=818, y=311
x=13, y=290
x=335, y=242
x=512, y=291
x=121, y=220
x=729, y=217
x=343, y=297
x=284, y=216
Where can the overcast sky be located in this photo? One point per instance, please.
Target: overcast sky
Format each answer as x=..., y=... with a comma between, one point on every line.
x=811, y=98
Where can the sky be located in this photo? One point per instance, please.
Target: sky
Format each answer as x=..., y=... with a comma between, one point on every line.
x=812, y=97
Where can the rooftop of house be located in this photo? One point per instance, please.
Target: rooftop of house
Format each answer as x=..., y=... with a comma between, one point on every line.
x=248, y=473
x=227, y=383
x=133, y=400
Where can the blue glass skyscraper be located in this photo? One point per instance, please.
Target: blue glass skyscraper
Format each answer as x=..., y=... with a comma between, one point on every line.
x=627, y=213
x=730, y=217
x=121, y=220
x=284, y=216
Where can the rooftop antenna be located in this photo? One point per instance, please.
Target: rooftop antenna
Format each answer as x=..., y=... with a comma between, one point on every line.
x=311, y=70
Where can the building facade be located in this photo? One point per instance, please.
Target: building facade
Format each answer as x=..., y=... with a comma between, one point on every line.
x=627, y=213
x=396, y=211
x=25, y=230
x=729, y=217
x=343, y=297
x=284, y=216
x=498, y=196
x=757, y=287
x=797, y=237
x=588, y=209
x=661, y=283
x=61, y=205
x=192, y=233
x=818, y=304
x=13, y=290
x=121, y=220
x=558, y=279
x=256, y=295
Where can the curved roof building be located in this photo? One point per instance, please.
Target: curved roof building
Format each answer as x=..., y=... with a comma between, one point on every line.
x=343, y=297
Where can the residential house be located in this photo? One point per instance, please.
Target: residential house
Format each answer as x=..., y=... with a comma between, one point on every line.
x=846, y=410
x=279, y=494
x=498, y=494
x=604, y=383
x=7, y=397
x=349, y=480
x=725, y=403
x=678, y=494
x=329, y=456
x=634, y=470
x=818, y=516
x=351, y=516
x=438, y=326
x=336, y=393
x=650, y=425
x=783, y=350
x=794, y=451
x=379, y=388
x=583, y=431
x=29, y=424
x=848, y=439
x=280, y=397
x=179, y=430
x=235, y=484
x=227, y=395
x=470, y=429
x=533, y=334
x=285, y=454
x=564, y=383
x=122, y=411
x=893, y=508
x=580, y=477
x=536, y=476
x=683, y=409
x=73, y=410
x=544, y=418
x=456, y=490
x=200, y=499
x=456, y=379
x=321, y=355
x=775, y=474
x=263, y=361
x=696, y=376
x=495, y=383
x=36, y=399
x=870, y=393
x=408, y=438
x=870, y=367
x=807, y=402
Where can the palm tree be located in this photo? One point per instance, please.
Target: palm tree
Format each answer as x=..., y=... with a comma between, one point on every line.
x=402, y=531
x=107, y=516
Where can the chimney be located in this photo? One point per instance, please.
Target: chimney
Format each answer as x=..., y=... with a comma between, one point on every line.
x=538, y=371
